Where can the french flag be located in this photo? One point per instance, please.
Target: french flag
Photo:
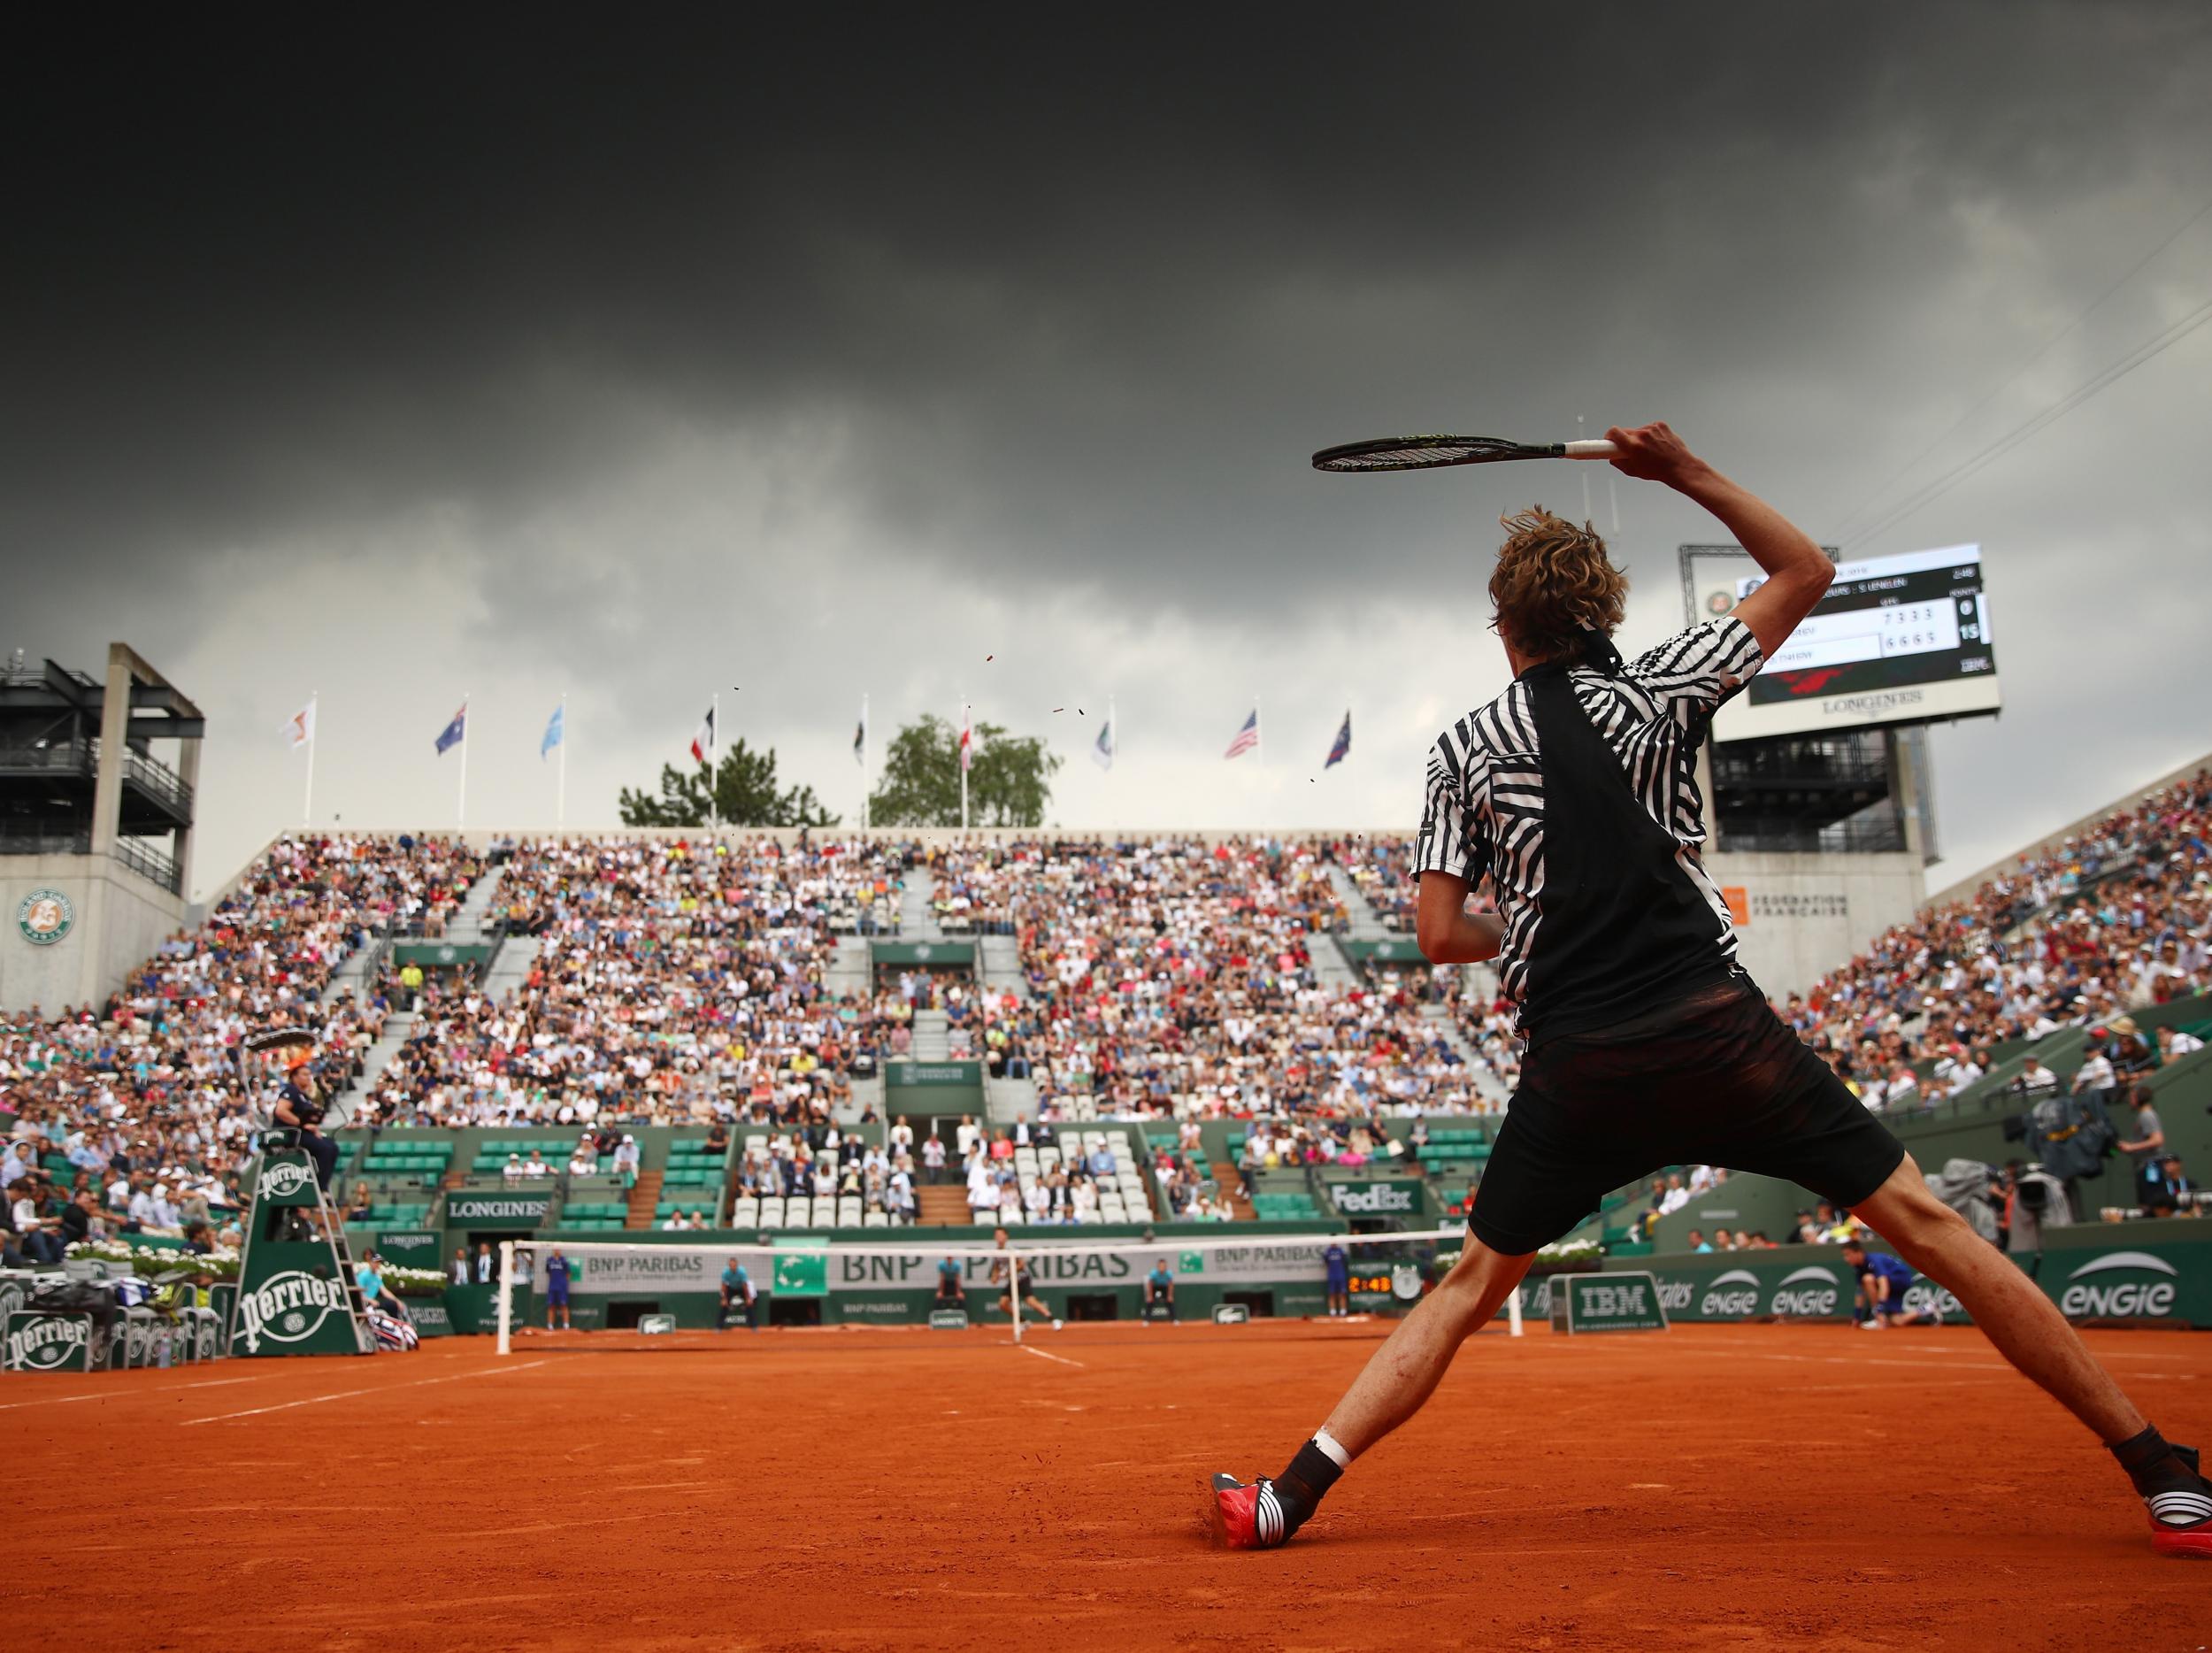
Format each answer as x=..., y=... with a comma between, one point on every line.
x=702, y=740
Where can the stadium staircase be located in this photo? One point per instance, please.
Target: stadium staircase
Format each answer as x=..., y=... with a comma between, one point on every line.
x=1486, y=1080
x=1367, y=924
x=851, y=968
x=1226, y=1178
x=1000, y=966
x=645, y=1196
x=1006, y=1101
x=467, y=923
x=918, y=910
x=931, y=1041
x=941, y=1205
x=510, y=966
x=397, y=1026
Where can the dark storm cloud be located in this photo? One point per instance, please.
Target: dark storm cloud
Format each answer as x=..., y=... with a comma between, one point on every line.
x=1076, y=291
x=616, y=334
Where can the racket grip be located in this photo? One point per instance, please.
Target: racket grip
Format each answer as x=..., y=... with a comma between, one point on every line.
x=1597, y=448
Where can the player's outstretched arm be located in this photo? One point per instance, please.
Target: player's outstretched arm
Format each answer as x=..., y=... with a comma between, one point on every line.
x=1446, y=932
x=1798, y=571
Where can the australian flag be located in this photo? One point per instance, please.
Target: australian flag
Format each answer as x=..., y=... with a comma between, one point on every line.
x=453, y=732
x=1340, y=747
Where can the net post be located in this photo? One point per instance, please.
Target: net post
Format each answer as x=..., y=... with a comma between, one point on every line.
x=1014, y=1288
x=1513, y=1307
x=506, y=1284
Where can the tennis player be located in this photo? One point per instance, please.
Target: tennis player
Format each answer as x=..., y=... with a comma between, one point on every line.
x=1574, y=794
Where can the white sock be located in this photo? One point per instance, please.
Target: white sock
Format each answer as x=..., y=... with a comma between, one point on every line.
x=1330, y=1445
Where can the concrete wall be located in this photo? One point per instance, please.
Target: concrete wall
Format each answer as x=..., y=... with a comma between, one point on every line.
x=1799, y=916
x=121, y=918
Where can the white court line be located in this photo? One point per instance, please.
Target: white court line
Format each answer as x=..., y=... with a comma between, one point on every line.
x=377, y=1389
x=109, y=1395
x=1040, y=1355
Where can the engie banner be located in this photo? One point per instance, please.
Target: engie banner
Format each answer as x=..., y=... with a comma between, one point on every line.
x=2114, y=1273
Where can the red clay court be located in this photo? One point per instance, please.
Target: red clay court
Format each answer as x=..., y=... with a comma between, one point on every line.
x=1710, y=1486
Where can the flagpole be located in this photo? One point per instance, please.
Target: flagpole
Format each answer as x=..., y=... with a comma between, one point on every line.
x=966, y=712
x=1113, y=730
x=867, y=734
x=1259, y=737
x=560, y=793
x=714, y=743
x=314, y=718
x=461, y=811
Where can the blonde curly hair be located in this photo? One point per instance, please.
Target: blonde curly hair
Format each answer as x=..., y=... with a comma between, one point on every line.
x=1553, y=580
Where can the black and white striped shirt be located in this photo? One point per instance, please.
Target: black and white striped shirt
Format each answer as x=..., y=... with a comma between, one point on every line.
x=1485, y=808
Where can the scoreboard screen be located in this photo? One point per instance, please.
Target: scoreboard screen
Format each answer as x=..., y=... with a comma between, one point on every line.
x=1902, y=639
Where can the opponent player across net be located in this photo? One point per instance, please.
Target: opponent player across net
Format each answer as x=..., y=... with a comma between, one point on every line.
x=1573, y=794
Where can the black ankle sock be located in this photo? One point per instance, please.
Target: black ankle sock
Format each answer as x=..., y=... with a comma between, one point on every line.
x=1300, y=1488
x=2155, y=1466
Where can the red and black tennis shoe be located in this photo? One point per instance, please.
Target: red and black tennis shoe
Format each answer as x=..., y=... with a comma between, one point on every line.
x=2181, y=1512
x=1247, y=1516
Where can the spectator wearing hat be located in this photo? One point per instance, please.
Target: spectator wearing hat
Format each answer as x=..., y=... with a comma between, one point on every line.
x=626, y=1158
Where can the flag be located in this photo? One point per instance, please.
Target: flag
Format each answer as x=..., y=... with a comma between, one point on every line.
x=967, y=740
x=453, y=732
x=301, y=729
x=1247, y=737
x=1342, y=747
x=553, y=732
x=1103, y=753
x=860, y=740
x=702, y=739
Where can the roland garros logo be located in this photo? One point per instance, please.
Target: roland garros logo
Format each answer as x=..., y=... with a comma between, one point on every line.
x=287, y=1308
x=46, y=916
x=282, y=1179
x=47, y=1344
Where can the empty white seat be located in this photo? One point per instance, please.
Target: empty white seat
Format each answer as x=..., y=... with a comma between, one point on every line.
x=771, y=1213
x=877, y=1219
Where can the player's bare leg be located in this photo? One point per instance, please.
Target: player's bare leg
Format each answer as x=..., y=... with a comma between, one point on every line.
x=2030, y=1332
x=2008, y=1307
x=1397, y=1380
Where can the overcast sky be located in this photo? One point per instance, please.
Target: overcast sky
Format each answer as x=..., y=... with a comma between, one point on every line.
x=663, y=354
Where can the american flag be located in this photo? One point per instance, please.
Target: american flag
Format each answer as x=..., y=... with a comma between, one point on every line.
x=1342, y=747
x=1247, y=737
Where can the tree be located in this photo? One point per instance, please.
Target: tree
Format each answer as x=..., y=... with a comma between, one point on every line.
x=1009, y=785
x=745, y=795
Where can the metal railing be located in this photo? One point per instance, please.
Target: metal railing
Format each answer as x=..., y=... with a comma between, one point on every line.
x=34, y=757
x=157, y=869
x=1852, y=835
x=81, y=757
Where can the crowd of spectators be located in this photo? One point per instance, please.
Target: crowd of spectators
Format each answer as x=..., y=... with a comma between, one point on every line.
x=2078, y=935
x=137, y=1102
x=682, y=981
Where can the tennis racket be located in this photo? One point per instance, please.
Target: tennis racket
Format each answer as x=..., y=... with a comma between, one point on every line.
x=1427, y=453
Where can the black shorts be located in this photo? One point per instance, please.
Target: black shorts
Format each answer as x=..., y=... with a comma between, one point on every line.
x=1717, y=1080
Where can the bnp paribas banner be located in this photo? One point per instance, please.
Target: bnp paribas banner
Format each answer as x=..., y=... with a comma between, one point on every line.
x=803, y=1271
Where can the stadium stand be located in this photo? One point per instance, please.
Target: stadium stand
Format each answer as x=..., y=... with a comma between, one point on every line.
x=1168, y=999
